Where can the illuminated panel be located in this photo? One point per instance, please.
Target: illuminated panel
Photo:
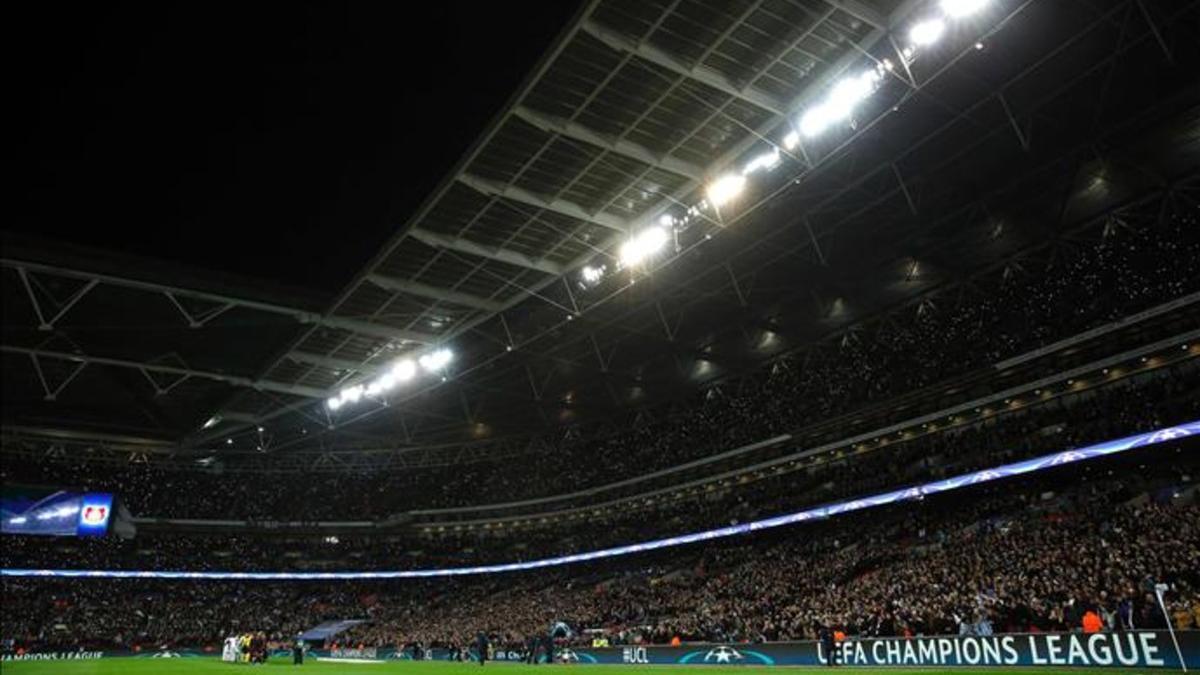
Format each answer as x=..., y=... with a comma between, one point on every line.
x=61, y=513
x=95, y=510
x=1065, y=457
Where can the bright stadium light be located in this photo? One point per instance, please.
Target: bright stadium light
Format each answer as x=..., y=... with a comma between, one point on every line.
x=386, y=381
x=851, y=91
x=840, y=104
x=960, y=8
x=815, y=120
x=766, y=161
x=927, y=32
x=334, y=403
x=645, y=244
x=592, y=274
x=666, y=220
x=791, y=140
x=352, y=394
x=725, y=189
x=19, y=520
x=435, y=361
x=404, y=370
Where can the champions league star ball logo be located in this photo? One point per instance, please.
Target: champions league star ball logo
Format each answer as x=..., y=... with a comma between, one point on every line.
x=723, y=655
x=95, y=515
x=729, y=655
x=1169, y=435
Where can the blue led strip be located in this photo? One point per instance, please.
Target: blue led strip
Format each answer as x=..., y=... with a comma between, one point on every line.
x=965, y=480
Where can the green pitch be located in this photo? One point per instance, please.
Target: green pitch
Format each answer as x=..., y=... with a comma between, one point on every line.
x=212, y=666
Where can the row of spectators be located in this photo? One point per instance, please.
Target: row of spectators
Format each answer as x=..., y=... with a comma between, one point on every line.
x=1124, y=273
x=1030, y=556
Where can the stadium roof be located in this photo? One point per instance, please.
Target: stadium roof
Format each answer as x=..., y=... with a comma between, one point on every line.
x=1022, y=122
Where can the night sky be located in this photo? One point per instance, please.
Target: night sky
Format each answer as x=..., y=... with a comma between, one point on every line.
x=284, y=142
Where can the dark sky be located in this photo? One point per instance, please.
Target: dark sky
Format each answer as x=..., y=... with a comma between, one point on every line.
x=283, y=142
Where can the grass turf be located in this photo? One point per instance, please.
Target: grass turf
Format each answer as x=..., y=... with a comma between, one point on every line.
x=206, y=666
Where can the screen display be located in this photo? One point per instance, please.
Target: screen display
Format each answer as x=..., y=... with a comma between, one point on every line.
x=61, y=513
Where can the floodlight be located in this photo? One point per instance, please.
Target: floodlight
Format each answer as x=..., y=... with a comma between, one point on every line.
x=960, y=8
x=653, y=238
x=791, y=140
x=643, y=245
x=386, y=381
x=592, y=274
x=815, y=120
x=766, y=161
x=666, y=220
x=404, y=370
x=352, y=394
x=850, y=92
x=725, y=189
x=631, y=253
x=927, y=32
x=334, y=403
x=435, y=361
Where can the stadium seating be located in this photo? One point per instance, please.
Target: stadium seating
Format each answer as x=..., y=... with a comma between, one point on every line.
x=1017, y=556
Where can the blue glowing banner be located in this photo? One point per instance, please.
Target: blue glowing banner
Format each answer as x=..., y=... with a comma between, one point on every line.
x=1063, y=458
x=59, y=513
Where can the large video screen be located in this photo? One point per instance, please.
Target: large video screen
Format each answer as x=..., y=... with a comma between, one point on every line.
x=56, y=513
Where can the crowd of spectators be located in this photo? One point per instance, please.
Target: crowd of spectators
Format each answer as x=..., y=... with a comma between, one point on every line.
x=1166, y=397
x=1124, y=273
x=1029, y=557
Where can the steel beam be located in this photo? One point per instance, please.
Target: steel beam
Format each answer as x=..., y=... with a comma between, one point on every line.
x=332, y=363
x=368, y=328
x=301, y=315
x=699, y=73
x=619, y=146
x=434, y=292
x=471, y=248
x=561, y=206
x=237, y=381
x=861, y=11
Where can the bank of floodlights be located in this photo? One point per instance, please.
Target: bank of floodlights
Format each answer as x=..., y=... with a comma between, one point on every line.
x=836, y=108
x=642, y=246
x=401, y=371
